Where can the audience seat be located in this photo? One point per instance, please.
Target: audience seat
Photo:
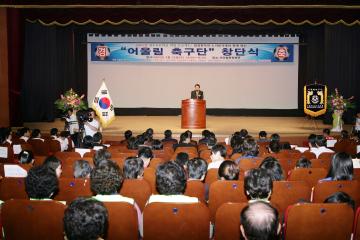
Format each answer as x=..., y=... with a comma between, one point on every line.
x=89, y=154
x=320, y=163
x=228, y=221
x=12, y=188
x=150, y=177
x=155, y=162
x=246, y=164
x=225, y=191
x=123, y=221
x=308, y=154
x=326, y=156
x=287, y=164
x=40, y=147
x=319, y=221
x=309, y=175
x=25, y=219
x=356, y=227
x=211, y=176
x=71, y=188
x=54, y=146
x=138, y=189
x=39, y=160
x=205, y=154
x=64, y=155
x=176, y=221
x=195, y=188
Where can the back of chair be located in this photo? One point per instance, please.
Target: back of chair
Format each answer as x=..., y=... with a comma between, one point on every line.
x=176, y=221
x=54, y=145
x=195, y=188
x=71, y=188
x=150, y=177
x=64, y=155
x=25, y=219
x=138, y=189
x=228, y=221
x=155, y=162
x=326, y=156
x=308, y=154
x=309, y=175
x=286, y=193
x=211, y=176
x=123, y=222
x=225, y=191
x=319, y=221
x=356, y=228
x=322, y=190
x=320, y=163
x=40, y=147
x=246, y=164
x=287, y=164
x=12, y=188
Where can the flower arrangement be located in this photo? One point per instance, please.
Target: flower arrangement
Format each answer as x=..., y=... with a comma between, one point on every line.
x=338, y=102
x=70, y=99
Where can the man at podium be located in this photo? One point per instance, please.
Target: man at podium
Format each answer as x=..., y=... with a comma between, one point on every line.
x=197, y=93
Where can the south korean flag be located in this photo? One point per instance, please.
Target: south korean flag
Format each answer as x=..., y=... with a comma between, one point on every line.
x=103, y=106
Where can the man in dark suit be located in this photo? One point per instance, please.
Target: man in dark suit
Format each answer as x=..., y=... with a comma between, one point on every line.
x=197, y=94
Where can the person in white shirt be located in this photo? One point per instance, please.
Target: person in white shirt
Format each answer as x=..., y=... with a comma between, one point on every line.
x=25, y=134
x=92, y=126
x=36, y=135
x=71, y=122
x=357, y=122
x=218, y=154
x=320, y=148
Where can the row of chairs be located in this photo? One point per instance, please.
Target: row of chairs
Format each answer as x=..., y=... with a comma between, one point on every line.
x=43, y=220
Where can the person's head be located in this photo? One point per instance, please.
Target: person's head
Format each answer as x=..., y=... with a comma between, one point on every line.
x=275, y=137
x=168, y=134
x=274, y=146
x=189, y=133
x=344, y=134
x=54, y=164
x=218, y=152
x=132, y=143
x=149, y=132
x=258, y=184
x=24, y=132
x=133, y=168
x=205, y=133
x=228, y=170
x=303, y=162
x=106, y=178
x=97, y=138
x=326, y=132
x=41, y=182
x=170, y=179
x=243, y=133
x=196, y=168
x=100, y=155
x=82, y=169
x=91, y=113
x=146, y=155
x=197, y=87
x=250, y=147
x=88, y=142
x=6, y=134
x=182, y=158
x=341, y=167
x=260, y=221
x=26, y=157
x=54, y=132
x=262, y=135
x=286, y=146
x=36, y=133
x=312, y=140
x=85, y=218
x=340, y=197
x=128, y=134
x=211, y=140
x=273, y=166
x=70, y=111
x=184, y=138
x=320, y=141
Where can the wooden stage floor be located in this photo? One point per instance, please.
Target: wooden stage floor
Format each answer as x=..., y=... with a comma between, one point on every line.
x=222, y=126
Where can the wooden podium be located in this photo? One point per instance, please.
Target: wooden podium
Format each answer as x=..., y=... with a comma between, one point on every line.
x=193, y=113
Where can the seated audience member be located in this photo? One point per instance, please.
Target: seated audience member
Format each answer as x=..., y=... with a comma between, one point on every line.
x=157, y=144
x=343, y=142
x=273, y=167
x=275, y=137
x=196, y=168
x=65, y=141
x=263, y=137
x=243, y=133
x=260, y=220
x=127, y=135
x=171, y=184
x=54, y=165
x=228, y=170
x=54, y=134
x=303, y=162
x=85, y=219
x=320, y=148
x=26, y=157
x=258, y=185
x=132, y=143
x=133, y=168
x=41, y=183
x=185, y=141
x=205, y=136
x=250, y=149
x=312, y=141
x=326, y=134
x=236, y=144
x=218, y=154
x=101, y=155
x=146, y=155
x=341, y=168
x=274, y=147
x=168, y=137
x=97, y=140
x=341, y=197
x=189, y=133
x=286, y=146
x=36, y=135
x=211, y=141
x=182, y=158
x=82, y=169
x=88, y=142
x=24, y=134
x=6, y=136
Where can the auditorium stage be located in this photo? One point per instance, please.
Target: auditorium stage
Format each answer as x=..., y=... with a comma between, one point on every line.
x=222, y=126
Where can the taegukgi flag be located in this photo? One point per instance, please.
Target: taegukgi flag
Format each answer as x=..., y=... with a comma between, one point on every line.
x=103, y=106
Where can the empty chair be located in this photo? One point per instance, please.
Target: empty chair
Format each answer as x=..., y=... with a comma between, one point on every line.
x=228, y=221
x=54, y=146
x=40, y=147
x=309, y=175
x=26, y=219
x=123, y=222
x=138, y=189
x=308, y=154
x=316, y=221
x=320, y=163
x=326, y=155
x=225, y=191
x=176, y=221
x=286, y=193
x=12, y=188
x=195, y=188
x=71, y=188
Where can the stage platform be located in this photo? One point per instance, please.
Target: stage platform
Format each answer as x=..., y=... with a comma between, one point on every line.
x=222, y=126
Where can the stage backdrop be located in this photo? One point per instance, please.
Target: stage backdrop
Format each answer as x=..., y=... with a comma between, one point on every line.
x=159, y=70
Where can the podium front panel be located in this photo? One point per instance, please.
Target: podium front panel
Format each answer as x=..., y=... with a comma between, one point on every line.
x=193, y=114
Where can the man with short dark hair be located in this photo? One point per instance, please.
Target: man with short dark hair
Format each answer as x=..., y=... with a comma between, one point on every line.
x=218, y=154
x=85, y=219
x=197, y=93
x=41, y=183
x=133, y=168
x=196, y=168
x=101, y=155
x=260, y=221
x=146, y=155
x=320, y=146
x=168, y=137
x=228, y=170
x=258, y=185
x=182, y=158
